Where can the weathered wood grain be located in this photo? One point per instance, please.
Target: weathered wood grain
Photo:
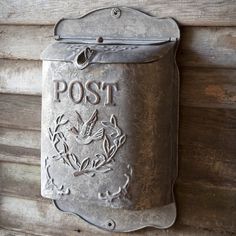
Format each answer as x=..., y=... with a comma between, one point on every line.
x=18, y=111
x=206, y=186
x=19, y=155
x=20, y=179
x=211, y=127
x=200, y=47
x=202, y=12
x=211, y=166
x=200, y=87
x=198, y=163
x=24, y=42
x=214, y=208
x=181, y=230
x=20, y=138
x=41, y=217
x=207, y=137
x=20, y=76
x=210, y=88
x=17, y=232
x=6, y=232
x=207, y=145
x=206, y=206
x=207, y=47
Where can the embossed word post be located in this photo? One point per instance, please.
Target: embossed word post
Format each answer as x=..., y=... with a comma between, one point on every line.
x=110, y=119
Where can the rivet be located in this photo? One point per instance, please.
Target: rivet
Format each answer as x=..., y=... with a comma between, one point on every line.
x=99, y=39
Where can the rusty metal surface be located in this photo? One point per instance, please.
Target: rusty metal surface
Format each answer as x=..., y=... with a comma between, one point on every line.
x=109, y=123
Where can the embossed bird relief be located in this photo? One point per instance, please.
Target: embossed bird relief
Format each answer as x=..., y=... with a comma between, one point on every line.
x=83, y=132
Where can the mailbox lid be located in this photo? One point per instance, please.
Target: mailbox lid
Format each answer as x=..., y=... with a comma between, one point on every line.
x=69, y=52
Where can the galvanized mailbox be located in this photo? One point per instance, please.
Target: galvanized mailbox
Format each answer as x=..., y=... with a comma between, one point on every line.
x=110, y=119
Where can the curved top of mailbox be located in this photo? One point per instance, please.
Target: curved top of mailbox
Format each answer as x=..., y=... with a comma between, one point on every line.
x=116, y=25
x=113, y=35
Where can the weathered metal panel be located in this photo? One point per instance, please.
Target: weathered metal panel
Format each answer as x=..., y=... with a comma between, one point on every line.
x=109, y=121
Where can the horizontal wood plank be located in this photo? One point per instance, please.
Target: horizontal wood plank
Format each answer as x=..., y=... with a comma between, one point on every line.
x=180, y=230
x=213, y=208
x=22, y=232
x=206, y=206
x=209, y=88
x=207, y=149
x=197, y=163
x=42, y=217
x=200, y=46
x=202, y=12
x=6, y=232
x=207, y=136
x=207, y=47
x=24, y=42
x=210, y=166
x=20, y=76
x=20, y=179
x=19, y=155
x=200, y=87
x=18, y=111
x=15, y=232
x=20, y=138
x=206, y=186
x=211, y=127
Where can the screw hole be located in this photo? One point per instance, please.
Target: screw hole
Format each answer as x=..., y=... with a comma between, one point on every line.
x=115, y=12
x=110, y=224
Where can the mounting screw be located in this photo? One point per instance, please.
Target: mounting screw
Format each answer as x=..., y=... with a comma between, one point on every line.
x=110, y=224
x=115, y=12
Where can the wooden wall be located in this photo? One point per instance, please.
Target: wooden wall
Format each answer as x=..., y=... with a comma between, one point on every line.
x=206, y=186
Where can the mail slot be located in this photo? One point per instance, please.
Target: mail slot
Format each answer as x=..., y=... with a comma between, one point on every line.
x=110, y=119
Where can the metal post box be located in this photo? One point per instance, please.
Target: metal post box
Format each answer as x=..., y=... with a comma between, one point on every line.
x=110, y=119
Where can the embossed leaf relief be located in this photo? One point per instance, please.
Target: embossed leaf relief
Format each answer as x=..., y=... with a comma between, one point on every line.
x=75, y=49
x=122, y=191
x=84, y=135
x=50, y=183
